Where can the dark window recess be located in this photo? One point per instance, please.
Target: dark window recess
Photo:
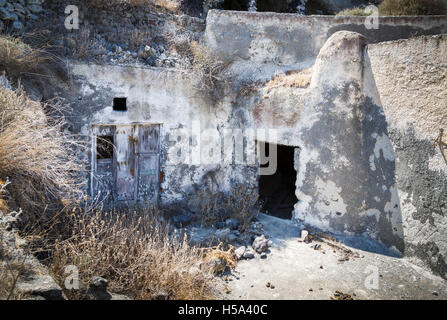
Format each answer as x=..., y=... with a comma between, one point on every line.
x=277, y=191
x=104, y=147
x=237, y=5
x=120, y=104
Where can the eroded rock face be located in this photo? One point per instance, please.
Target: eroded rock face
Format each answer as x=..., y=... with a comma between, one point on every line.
x=15, y=13
x=346, y=166
x=34, y=280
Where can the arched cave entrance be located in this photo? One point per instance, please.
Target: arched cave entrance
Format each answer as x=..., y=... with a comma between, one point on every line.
x=277, y=191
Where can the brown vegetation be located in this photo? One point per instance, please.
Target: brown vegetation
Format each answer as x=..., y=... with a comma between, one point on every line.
x=240, y=203
x=413, y=7
x=402, y=8
x=35, y=154
x=134, y=250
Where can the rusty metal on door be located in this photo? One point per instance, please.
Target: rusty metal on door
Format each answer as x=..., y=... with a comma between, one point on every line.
x=125, y=164
x=148, y=163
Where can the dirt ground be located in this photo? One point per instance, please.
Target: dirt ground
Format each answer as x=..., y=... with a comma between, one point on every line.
x=332, y=269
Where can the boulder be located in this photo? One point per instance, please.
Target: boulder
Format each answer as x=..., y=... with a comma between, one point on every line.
x=41, y=285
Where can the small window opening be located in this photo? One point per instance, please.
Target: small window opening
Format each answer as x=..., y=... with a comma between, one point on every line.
x=104, y=147
x=237, y=5
x=120, y=104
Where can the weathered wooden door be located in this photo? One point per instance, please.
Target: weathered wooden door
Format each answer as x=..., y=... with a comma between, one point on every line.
x=133, y=173
x=148, y=163
x=125, y=162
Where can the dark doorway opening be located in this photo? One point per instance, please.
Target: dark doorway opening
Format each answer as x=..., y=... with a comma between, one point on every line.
x=237, y=5
x=277, y=191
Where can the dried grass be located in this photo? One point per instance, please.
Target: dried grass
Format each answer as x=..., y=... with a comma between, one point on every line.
x=139, y=37
x=402, y=8
x=3, y=204
x=240, y=203
x=168, y=5
x=17, y=57
x=354, y=12
x=207, y=66
x=134, y=250
x=291, y=79
x=35, y=154
x=413, y=7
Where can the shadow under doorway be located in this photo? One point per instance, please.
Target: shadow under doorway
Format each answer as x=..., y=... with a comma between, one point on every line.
x=277, y=191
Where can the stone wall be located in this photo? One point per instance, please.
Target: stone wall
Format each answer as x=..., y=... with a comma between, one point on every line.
x=14, y=14
x=411, y=77
x=346, y=166
x=160, y=96
x=260, y=44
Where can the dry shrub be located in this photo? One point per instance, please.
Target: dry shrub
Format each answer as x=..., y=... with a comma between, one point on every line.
x=354, y=12
x=3, y=204
x=17, y=57
x=139, y=37
x=82, y=43
x=292, y=79
x=228, y=256
x=413, y=7
x=168, y=5
x=207, y=66
x=35, y=154
x=240, y=203
x=135, y=251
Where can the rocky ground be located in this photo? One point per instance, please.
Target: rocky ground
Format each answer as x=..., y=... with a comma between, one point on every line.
x=316, y=266
x=24, y=277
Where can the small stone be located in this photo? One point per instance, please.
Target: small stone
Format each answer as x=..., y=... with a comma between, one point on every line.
x=239, y=252
x=268, y=284
x=249, y=254
x=263, y=255
x=260, y=244
x=98, y=283
x=304, y=234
